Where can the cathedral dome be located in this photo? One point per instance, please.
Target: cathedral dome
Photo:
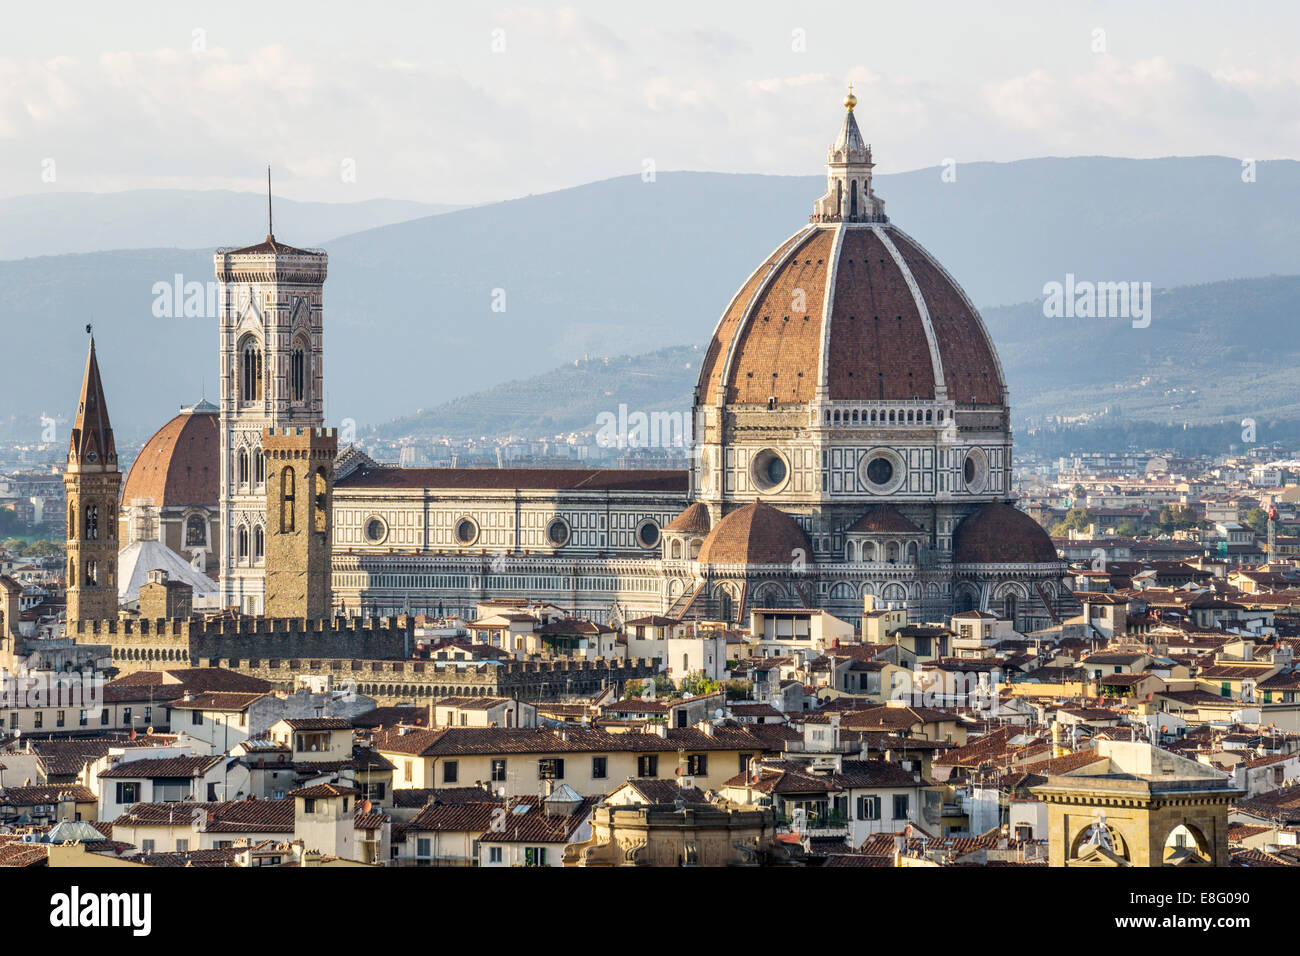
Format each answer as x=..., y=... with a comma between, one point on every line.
x=850, y=308
x=997, y=533
x=756, y=533
x=180, y=464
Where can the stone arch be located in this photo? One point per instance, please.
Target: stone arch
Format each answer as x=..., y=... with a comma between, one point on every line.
x=1118, y=844
x=1198, y=842
x=966, y=598
x=893, y=592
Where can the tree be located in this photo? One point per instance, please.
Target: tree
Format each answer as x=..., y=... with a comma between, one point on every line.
x=697, y=685
x=1257, y=518
x=1076, y=519
x=637, y=688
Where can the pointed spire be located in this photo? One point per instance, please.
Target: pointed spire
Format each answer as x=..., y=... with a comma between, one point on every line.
x=92, y=446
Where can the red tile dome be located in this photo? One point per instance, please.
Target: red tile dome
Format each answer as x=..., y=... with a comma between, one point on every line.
x=180, y=464
x=861, y=308
x=694, y=520
x=756, y=533
x=997, y=533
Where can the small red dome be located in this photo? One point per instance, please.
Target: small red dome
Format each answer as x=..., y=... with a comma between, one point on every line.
x=997, y=533
x=756, y=534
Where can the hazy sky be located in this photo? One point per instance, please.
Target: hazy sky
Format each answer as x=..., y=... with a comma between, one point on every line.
x=414, y=100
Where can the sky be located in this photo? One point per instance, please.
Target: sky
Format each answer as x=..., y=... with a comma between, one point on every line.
x=469, y=103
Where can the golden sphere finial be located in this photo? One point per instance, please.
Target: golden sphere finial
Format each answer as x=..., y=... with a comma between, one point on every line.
x=850, y=101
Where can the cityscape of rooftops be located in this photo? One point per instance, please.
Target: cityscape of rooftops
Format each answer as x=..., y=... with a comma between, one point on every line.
x=721, y=435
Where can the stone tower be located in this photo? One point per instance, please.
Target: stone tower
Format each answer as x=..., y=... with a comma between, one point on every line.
x=93, y=485
x=299, y=507
x=271, y=377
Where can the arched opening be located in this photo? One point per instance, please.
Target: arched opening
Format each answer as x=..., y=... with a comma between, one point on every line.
x=250, y=370
x=298, y=372
x=287, y=499
x=92, y=522
x=241, y=467
x=320, y=502
x=853, y=198
x=242, y=544
x=196, y=532
x=259, y=544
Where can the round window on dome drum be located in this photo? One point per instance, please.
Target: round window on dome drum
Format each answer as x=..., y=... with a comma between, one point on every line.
x=975, y=470
x=768, y=470
x=880, y=471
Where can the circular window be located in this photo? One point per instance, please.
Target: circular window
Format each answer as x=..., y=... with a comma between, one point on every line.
x=975, y=470
x=647, y=533
x=466, y=531
x=557, y=532
x=376, y=530
x=768, y=470
x=882, y=471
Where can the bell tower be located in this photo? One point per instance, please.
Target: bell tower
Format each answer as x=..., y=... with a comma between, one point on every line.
x=93, y=485
x=271, y=378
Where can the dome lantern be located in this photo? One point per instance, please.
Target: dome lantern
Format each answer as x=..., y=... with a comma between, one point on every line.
x=849, y=196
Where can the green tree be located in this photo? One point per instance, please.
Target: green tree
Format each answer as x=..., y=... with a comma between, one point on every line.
x=1076, y=519
x=697, y=685
x=1257, y=518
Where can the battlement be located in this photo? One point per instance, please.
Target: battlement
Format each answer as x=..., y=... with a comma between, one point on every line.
x=243, y=626
x=408, y=681
x=298, y=442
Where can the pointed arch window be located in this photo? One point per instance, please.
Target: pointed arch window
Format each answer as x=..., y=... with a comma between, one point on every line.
x=287, y=500
x=242, y=552
x=250, y=370
x=259, y=544
x=92, y=522
x=241, y=467
x=259, y=468
x=298, y=372
x=72, y=521
x=91, y=574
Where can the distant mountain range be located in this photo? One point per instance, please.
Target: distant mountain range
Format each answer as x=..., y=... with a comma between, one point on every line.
x=57, y=223
x=625, y=267
x=1217, y=352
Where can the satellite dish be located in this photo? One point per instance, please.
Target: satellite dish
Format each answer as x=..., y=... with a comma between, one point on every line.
x=718, y=713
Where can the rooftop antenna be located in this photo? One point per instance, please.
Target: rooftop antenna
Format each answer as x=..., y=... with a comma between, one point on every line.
x=270, y=231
